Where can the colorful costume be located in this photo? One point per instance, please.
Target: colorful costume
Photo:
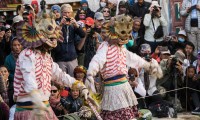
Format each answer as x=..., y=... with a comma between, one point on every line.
x=111, y=60
x=35, y=69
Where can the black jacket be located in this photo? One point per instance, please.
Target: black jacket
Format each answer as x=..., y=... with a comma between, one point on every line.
x=139, y=11
x=66, y=51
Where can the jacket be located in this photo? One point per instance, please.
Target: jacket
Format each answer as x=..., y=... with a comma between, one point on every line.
x=183, y=12
x=66, y=51
x=149, y=29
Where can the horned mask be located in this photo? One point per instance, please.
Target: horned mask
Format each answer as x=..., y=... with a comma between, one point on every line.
x=43, y=30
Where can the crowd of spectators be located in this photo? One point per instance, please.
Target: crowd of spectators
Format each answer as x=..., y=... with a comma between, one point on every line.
x=177, y=53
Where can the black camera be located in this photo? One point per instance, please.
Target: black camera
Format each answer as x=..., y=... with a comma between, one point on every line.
x=68, y=19
x=132, y=77
x=155, y=8
x=27, y=8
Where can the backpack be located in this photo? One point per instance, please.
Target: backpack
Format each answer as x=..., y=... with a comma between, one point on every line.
x=162, y=109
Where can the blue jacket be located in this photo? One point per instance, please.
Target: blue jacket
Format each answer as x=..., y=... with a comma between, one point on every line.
x=66, y=51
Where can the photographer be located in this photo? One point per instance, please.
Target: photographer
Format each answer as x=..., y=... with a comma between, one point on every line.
x=65, y=53
x=149, y=80
x=152, y=21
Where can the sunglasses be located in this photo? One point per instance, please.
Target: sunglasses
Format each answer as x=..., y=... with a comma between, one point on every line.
x=106, y=11
x=82, y=12
x=54, y=91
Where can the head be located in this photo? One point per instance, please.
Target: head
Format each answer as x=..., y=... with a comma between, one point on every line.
x=2, y=22
x=112, y=4
x=165, y=54
x=189, y=48
x=140, y=2
x=103, y=3
x=122, y=7
x=182, y=37
x=106, y=13
x=80, y=72
x=20, y=9
x=133, y=74
x=190, y=71
x=145, y=51
x=16, y=46
x=82, y=14
x=98, y=20
x=56, y=10
x=66, y=10
x=84, y=4
x=136, y=24
x=4, y=72
x=2, y=32
x=55, y=90
x=35, y=6
x=74, y=91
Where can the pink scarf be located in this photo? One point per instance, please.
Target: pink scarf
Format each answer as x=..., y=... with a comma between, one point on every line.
x=54, y=101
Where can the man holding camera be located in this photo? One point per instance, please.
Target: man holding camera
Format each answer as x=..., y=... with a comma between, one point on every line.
x=152, y=21
x=65, y=53
x=191, y=10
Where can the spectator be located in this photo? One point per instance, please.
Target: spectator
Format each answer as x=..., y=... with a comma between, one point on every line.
x=113, y=6
x=4, y=84
x=2, y=46
x=148, y=80
x=139, y=9
x=136, y=35
x=85, y=6
x=54, y=100
x=73, y=102
x=92, y=39
x=190, y=10
x=106, y=13
x=2, y=22
x=65, y=52
x=161, y=52
x=151, y=22
x=81, y=15
x=182, y=37
x=191, y=80
x=4, y=110
x=80, y=73
x=189, y=49
x=56, y=11
x=123, y=7
x=10, y=61
x=16, y=19
x=102, y=4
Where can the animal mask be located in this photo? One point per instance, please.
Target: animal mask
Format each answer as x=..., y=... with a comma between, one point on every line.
x=44, y=30
x=118, y=29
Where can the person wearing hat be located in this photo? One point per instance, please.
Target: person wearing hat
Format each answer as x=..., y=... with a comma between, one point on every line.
x=122, y=7
x=56, y=11
x=85, y=7
x=182, y=37
x=152, y=21
x=190, y=9
x=148, y=80
x=80, y=73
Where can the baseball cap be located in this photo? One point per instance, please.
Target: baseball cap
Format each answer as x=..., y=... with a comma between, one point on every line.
x=89, y=21
x=166, y=52
x=98, y=16
x=182, y=32
x=180, y=56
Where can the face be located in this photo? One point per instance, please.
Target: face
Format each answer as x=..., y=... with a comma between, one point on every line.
x=54, y=91
x=140, y=1
x=98, y=23
x=122, y=9
x=8, y=33
x=56, y=13
x=4, y=73
x=16, y=47
x=66, y=12
x=75, y=93
x=106, y=12
x=84, y=5
x=82, y=15
x=136, y=26
x=164, y=56
x=191, y=72
x=80, y=76
x=1, y=24
x=188, y=50
x=2, y=33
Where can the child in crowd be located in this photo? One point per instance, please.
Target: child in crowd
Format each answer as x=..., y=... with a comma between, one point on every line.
x=191, y=80
x=73, y=102
x=80, y=73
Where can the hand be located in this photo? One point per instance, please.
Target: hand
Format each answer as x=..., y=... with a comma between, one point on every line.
x=133, y=83
x=85, y=93
x=59, y=107
x=158, y=14
x=73, y=22
x=89, y=83
x=157, y=51
x=179, y=67
x=151, y=9
x=194, y=78
x=188, y=9
x=1, y=99
x=63, y=21
x=198, y=7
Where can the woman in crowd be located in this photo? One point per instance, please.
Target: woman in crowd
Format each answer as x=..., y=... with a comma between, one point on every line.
x=4, y=84
x=56, y=11
x=102, y=4
x=106, y=13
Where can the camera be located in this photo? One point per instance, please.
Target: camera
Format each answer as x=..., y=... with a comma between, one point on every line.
x=155, y=8
x=147, y=58
x=68, y=19
x=132, y=77
x=27, y=8
x=42, y=4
